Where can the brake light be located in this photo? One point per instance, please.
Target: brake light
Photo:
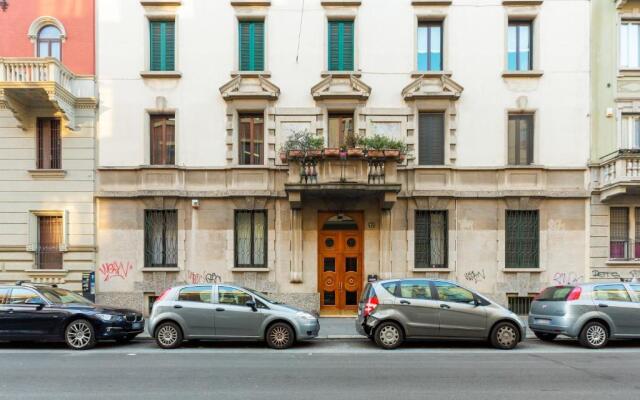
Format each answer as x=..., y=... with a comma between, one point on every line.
x=163, y=294
x=370, y=306
x=574, y=294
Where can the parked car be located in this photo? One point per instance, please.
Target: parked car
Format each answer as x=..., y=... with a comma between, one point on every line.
x=227, y=312
x=391, y=311
x=30, y=312
x=591, y=312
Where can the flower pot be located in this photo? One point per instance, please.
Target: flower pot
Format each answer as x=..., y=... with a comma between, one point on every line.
x=392, y=153
x=401, y=158
x=331, y=152
x=355, y=152
x=314, y=153
x=375, y=153
x=296, y=154
x=283, y=157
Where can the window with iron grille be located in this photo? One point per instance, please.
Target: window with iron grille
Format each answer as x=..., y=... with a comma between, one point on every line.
x=520, y=305
x=160, y=238
x=251, y=146
x=163, y=140
x=619, y=233
x=49, y=144
x=431, y=239
x=522, y=239
x=48, y=254
x=250, y=236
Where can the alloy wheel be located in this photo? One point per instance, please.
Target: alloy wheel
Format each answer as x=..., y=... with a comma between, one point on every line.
x=279, y=336
x=79, y=334
x=596, y=335
x=168, y=335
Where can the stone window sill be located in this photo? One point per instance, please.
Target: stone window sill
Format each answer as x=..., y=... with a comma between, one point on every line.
x=522, y=74
x=629, y=72
x=160, y=3
x=47, y=173
x=522, y=2
x=341, y=74
x=342, y=3
x=47, y=271
x=430, y=74
x=622, y=263
x=432, y=270
x=161, y=74
x=254, y=3
x=161, y=269
x=431, y=2
x=250, y=269
x=523, y=270
x=251, y=74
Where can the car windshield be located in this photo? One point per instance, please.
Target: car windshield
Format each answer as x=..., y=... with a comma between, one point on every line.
x=63, y=296
x=262, y=296
x=555, y=293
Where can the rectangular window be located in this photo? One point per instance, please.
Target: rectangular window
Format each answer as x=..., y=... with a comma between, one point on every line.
x=250, y=239
x=341, y=46
x=619, y=233
x=520, y=43
x=522, y=239
x=48, y=254
x=520, y=139
x=636, y=245
x=630, y=131
x=430, y=46
x=251, y=42
x=520, y=305
x=160, y=238
x=49, y=143
x=340, y=127
x=251, y=146
x=162, y=45
x=163, y=141
x=431, y=139
x=630, y=44
x=431, y=239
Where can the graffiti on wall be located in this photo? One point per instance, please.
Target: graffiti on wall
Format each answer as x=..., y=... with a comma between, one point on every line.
x=567, y=278
x=115, y=269
x=475, y=276
x=598, y=274
x=204, y=277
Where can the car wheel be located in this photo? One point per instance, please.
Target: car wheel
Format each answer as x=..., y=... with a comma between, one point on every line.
x=169, y=335
x=505, y=336
x=80, y=335
x=280, y=336
x=388, y=335
x=545, y=337
x=594, y=335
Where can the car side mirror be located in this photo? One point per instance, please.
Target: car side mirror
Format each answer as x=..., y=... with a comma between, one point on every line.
x=252, y=304
x=36, y=301
x=477, y=302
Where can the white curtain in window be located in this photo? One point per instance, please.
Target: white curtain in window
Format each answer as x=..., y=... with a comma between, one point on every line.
x=630, y=132
x=243, y=238
x=629, y=42
x=258, y=238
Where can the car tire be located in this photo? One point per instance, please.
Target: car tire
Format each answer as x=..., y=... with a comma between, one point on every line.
x=594, y=335
x=545, y=336
x=168, y=335
x=280, y=336
x=80, y=335
x=505, y=336
x=388, y=335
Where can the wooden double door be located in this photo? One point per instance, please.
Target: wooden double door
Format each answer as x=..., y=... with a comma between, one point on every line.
x=340, y=262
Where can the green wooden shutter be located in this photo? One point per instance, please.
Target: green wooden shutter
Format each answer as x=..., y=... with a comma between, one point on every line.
x=251, y=42
x=340, y=46
x=162, y=45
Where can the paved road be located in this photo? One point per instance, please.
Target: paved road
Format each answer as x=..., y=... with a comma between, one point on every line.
x=321, y=370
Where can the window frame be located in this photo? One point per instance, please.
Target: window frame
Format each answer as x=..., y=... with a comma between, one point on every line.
x=342, y=133
x=630, y=120
x=45, y=130
x=165, y=156
x=252, y=60
x=422, y=158
x=622, y=23
x=265, y=264
x=445, y=246
x=438, y=298
x=49, y=42
x=163, y=61
x=518, y=118
x=252, y=139
x=340, y=44
x=518, y=242
x=32, y=291
x=55, y=251
x=430, y=24
x=518, y=23
x=216, y=300
x=209, y=287
x=595, y=289
x=147, y=260
x=625, y=227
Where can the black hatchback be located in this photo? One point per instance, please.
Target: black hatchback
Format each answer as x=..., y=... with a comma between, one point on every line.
x=30, y=312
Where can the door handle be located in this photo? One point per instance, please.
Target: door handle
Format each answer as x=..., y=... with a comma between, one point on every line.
x=445, y=306
x=10, y=311
x=603, y=305
x=177, y=306
x=219, y=309
x=405, y=302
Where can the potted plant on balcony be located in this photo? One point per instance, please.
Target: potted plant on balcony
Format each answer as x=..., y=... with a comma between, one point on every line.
x=301, y=144
x=353, y=144
x=379, y=146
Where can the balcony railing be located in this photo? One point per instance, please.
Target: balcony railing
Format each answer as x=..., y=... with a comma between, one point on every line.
x=623, y=168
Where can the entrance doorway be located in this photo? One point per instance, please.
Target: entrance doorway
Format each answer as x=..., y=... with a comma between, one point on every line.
x=340, y=261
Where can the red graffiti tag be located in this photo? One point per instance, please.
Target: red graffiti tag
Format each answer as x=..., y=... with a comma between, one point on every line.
x=116, y=269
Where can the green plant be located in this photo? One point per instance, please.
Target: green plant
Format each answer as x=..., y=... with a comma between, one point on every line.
x=352, y=140
x=381, y=142
x=302, y=140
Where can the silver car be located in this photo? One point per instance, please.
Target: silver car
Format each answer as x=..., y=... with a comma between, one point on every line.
x=391, y=311
x=592, y=312
x=227, y=312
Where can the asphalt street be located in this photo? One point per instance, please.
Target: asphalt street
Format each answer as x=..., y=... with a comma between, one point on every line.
x=329, y=369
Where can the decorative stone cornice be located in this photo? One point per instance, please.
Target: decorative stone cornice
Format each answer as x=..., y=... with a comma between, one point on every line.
x=244, y=86
x=341, y=86
x=432, y=87
x=43, y=21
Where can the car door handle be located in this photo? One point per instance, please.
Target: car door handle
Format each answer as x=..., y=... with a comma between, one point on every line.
x=445, y=306
x=219, y=309
x=603, y=305
x=177, y=306
x=405, y=302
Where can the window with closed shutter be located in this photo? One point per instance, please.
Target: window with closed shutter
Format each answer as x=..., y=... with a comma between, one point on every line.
x=49, y=143
x=340, y=46
x=162, y=45
x=163, y=144
x=522, y=239
x=431, y=239
x=251, y=41
x=431, y=139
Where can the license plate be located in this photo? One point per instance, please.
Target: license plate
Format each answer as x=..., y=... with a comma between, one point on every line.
x=543, y=321
x=136, y=325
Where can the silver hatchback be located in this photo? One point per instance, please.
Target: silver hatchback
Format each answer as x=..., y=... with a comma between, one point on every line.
x=393, y=310
x=591, y=312
x=227, y=312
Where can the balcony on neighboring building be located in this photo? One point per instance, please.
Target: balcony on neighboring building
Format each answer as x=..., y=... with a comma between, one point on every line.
x=44, y=83
x=619, y=175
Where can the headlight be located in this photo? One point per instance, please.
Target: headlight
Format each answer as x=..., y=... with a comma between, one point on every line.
x=305, y=315
x=106, y=317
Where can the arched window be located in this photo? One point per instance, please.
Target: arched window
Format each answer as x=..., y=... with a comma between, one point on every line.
x=340, y=222
x=50, y=42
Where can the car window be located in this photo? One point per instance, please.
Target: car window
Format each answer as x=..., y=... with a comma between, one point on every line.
x=198, y=294
x=22, y=296
x=611, y=293
x=4, y=293
x=555, y=293
x=233, y=296
x=414, y=290
x=634, y=288
x=453, y=293
x=63, y=296
x=367, y=293
x=392, y=287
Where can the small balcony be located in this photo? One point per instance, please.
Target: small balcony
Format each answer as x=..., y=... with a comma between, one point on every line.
x=27, y=83
x=334, y=174
x=619, y=176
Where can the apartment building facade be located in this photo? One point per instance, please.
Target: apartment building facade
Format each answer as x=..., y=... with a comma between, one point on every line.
x=491, y=102
x=48, y=103
x=615, y=150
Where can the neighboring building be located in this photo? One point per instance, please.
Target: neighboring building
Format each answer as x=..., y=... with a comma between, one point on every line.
x=615, y=136
x=47, y=141
x=198, y=96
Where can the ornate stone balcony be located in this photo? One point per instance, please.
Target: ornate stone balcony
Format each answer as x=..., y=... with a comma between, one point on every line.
x=28, y=83
x=619, y=175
